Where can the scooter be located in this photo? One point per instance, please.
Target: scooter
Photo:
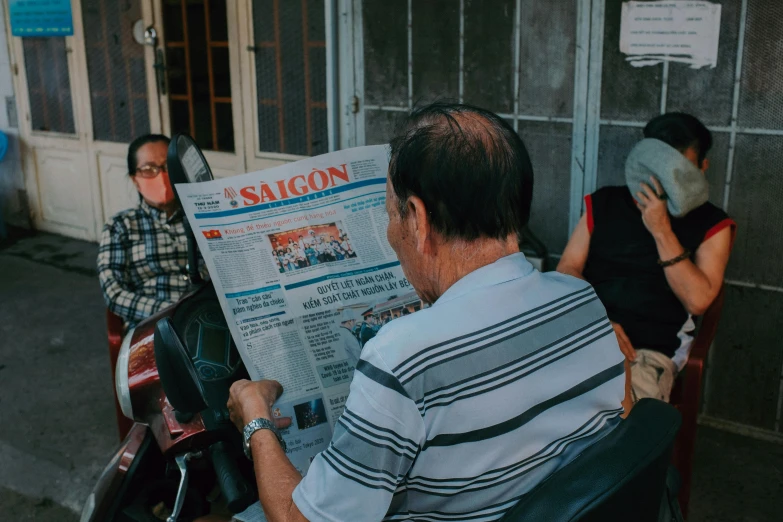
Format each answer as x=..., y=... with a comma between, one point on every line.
x=183, y=457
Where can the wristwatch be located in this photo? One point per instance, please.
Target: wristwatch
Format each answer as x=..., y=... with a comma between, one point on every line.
x=260, y=424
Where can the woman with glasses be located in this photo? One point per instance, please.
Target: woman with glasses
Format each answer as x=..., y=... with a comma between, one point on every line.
x=143, y=252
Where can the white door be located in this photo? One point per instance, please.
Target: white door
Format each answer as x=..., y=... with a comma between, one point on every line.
x=122, y=95
x=289, y=54
x=62, y=197
x=196, y=67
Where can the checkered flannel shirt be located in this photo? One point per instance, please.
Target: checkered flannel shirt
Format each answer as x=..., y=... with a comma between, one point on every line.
x=142, y=262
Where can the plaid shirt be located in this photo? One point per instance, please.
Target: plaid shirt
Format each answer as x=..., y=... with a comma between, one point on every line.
x=142, y=262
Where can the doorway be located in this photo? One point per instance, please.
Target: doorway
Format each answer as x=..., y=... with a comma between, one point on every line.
x=196, y=68
x=198, y=76
x=59, y=189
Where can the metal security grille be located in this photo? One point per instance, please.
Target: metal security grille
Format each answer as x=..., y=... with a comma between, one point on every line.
x=48, y=84
x=198, y=74
x=514, y=57
x=754, y=188
x=290, y=61
x=741, y=101
x=115, y=66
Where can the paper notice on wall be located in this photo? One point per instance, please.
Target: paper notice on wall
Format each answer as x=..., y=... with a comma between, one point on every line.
x=679, y=31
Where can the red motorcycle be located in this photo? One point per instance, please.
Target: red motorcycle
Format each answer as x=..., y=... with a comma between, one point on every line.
x=182, y=458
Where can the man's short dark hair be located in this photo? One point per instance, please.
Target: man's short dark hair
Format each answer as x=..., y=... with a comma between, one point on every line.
x=139, y=143
x=468, y=166
x=681, y=131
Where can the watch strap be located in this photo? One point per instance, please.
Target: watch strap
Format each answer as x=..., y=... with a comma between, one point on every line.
x=260, y=424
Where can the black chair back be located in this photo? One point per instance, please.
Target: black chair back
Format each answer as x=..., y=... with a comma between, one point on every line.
x=621, y=477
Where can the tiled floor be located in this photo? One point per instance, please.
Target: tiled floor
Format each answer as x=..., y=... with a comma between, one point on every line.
x=736, y=479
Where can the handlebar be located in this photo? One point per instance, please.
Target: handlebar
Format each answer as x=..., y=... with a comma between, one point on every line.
x=236, y=490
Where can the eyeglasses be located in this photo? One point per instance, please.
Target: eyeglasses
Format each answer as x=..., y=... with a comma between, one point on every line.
x=150, y=171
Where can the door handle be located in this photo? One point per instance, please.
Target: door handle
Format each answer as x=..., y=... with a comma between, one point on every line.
x=160, y=71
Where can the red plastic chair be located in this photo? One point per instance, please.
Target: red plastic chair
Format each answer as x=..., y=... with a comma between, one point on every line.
x=686, y=397
x=114, y=326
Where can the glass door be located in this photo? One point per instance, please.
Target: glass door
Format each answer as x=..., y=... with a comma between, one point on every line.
x=53, y=127
x=290, y=55
x=119, y=97
x=197, y=71
x=122, y=93
x=49, y=85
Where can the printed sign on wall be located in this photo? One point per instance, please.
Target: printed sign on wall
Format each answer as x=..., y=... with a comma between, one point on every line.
x=675, y=31
x=37, y=18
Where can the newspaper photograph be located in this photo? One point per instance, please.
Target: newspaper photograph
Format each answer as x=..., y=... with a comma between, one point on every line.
x=305, y=276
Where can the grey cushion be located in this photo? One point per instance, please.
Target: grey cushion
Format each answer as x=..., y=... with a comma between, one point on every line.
x=685, y=185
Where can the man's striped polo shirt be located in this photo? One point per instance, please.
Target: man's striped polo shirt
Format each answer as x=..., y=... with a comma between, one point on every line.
x=458, y=410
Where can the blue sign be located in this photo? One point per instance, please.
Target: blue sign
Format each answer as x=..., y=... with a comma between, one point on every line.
x=41, y=17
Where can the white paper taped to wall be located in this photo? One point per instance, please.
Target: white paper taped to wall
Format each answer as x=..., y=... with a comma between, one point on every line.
x=674, y=31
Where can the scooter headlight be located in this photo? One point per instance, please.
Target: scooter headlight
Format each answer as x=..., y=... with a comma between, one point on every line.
x=121, y=377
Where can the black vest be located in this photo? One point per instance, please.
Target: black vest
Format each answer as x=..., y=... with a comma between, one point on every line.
x=622, y=266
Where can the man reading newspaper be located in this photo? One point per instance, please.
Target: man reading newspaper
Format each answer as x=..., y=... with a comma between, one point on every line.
x=458, y=410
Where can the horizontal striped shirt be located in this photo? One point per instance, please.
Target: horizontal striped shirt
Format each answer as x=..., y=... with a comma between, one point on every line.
x=458, y=410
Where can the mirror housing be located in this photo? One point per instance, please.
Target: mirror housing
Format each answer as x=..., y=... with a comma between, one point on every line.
x=186, y=164
x=176, y=370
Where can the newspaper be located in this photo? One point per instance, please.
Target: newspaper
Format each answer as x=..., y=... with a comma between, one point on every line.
x=305, y=276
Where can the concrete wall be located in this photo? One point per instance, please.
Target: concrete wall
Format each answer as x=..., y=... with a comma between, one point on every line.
x=12, y=209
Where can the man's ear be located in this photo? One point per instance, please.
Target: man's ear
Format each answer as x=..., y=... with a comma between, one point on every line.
x=705, y=164
x=135, y=183
x=419, y=225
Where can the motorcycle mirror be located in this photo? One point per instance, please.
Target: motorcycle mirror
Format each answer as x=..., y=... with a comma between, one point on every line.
x=177, y=372
x=186, y=164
